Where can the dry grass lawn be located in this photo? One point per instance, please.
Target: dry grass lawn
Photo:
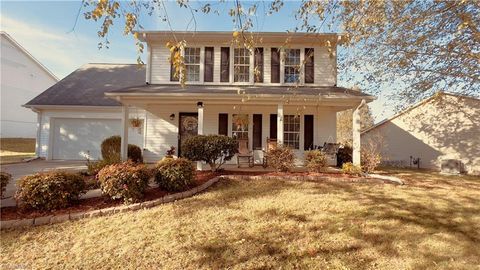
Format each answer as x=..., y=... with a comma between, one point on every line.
x=432, y=222
x=16, y=149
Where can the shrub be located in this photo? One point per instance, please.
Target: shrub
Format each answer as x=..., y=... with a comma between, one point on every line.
x=210, y=148
x=316, y=161
x=175, y=174
x=344, y=155
x=370, y=160
x=127, y=181
x=281, y=158
x=50, y=190
x=111, y=148
x=4, y=179
x=93, y=167
x=350, y=168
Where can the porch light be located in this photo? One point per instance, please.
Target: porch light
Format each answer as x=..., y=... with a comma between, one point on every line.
x=199, y=104
x=172, y=116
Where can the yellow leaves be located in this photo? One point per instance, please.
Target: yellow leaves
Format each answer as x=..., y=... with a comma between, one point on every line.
x=236, y=34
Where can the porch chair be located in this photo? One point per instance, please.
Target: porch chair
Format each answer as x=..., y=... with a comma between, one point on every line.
x=244, y=153
x=271, y=144
x=331, y=151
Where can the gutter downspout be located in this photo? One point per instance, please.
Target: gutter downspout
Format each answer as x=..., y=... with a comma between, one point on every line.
x=356, y=143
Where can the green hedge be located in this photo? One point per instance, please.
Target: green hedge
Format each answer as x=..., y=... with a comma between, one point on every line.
x=175, y=174
x=111, y=148
x=215, y=150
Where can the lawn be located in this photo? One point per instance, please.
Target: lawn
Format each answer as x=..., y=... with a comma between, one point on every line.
x=14, y=150
x=432, y=222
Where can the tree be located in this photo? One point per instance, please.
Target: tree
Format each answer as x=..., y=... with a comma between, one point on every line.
x=344, y=123
x=414, y=47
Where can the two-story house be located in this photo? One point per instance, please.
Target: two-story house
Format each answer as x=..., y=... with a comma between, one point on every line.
x=279, y=90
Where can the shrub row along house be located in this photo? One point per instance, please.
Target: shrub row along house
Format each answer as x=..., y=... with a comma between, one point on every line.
x=276, y=91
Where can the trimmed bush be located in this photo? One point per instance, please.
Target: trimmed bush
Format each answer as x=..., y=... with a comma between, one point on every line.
x=281, y=158
x=111, y=148
x=315, y=161
x=370, y=159
x=175, y=174
x=350, y=168
x=93, y=167
x=344, y=155
x=215, y=150
x=127, y=181
x=4, y=179
x=50, y=190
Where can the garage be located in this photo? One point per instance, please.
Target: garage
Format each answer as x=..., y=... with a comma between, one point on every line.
x=77, y=139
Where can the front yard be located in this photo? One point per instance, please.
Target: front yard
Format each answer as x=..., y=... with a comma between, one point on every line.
x=431, y=222
x=14, y=150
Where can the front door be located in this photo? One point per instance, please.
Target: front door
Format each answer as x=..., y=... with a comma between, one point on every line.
x=187, y=127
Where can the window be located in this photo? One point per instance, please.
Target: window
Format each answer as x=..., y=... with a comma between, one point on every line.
x=240, y=126
x=241, y=65
x=192, y=64
x=292, y=65
x=291, y=131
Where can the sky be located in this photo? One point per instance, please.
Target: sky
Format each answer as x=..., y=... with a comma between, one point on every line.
x=58, y=35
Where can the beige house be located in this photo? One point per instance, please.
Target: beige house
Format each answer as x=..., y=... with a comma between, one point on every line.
x=293, y=98
x=443, y=131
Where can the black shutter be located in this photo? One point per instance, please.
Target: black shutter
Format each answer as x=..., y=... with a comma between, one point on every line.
x=309, y=65
x=273, y=126
x=257, y=131
x=223, y=124
x=308, y=132
x=275, y=66
x=258, y=59
x=208, y=65
x=172, y=68
x=225, y=64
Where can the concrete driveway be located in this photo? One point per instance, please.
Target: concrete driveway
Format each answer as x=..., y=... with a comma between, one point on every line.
x=19, y=170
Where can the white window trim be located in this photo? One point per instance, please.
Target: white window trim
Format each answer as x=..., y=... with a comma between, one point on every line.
x=299, y=132
x=302, y=67
x=200, y=70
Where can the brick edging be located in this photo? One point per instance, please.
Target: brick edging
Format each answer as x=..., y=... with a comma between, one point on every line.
x=51, y=219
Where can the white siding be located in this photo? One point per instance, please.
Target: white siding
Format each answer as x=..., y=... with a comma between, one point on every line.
x=325, y=66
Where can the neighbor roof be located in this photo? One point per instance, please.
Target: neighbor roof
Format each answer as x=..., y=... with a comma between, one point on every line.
x=169, y=89
x=87, y=85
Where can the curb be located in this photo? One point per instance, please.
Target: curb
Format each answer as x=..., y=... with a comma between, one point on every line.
x=52, y=219
x=383, y=178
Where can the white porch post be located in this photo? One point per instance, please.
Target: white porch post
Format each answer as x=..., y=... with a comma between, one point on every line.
x=200, y=128
x=124, y=134
x=356, y=144
x=280, y=124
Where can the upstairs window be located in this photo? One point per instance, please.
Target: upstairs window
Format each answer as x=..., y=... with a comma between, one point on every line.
x=240, y=126
x=292, y=65
x=291, y=131
x=192, y=64
x=241, y=65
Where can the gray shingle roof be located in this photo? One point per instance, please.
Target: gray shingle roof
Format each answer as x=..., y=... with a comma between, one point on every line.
x=332, y=91
x=87, y=85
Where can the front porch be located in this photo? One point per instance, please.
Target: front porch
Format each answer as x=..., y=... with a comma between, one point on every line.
x=301, y=122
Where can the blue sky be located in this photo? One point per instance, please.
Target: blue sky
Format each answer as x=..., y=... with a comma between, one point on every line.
x=53, y=35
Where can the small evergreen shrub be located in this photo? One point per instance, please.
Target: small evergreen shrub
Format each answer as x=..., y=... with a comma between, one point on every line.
x=351, y=169
x=215, y=150
x=344, y=155
x=281, y=158
x=316, y=161
x=111, y=148
x=4, y=179
x=175, y=174
x=50, y=190
x=93, y=167
x=127, y=181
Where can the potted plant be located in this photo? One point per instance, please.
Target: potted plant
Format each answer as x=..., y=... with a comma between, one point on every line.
x=136, y=122
x=170, y=153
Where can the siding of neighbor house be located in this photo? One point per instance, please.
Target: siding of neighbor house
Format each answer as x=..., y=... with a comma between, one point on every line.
x=22, y=79
x=325, y=66
x=444, y=127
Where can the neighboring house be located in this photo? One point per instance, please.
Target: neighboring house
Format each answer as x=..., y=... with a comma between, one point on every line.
x=443, y=131
x=22, y=78
x=222, y=96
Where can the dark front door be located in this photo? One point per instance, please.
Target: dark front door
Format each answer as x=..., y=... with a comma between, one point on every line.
x=187, y=127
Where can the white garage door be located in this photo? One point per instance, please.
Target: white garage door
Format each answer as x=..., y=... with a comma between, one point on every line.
x=77, y=139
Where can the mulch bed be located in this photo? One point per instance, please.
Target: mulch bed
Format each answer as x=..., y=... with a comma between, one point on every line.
x=13, y=212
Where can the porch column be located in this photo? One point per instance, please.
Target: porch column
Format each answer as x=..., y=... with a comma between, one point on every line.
x=124, y=134
x=200, y=129
x=356, y=144
x=280, y=124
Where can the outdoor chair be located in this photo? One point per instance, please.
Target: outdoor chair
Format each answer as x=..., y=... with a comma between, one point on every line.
x=330, y=150
x=271, y=144
x=244, y=156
